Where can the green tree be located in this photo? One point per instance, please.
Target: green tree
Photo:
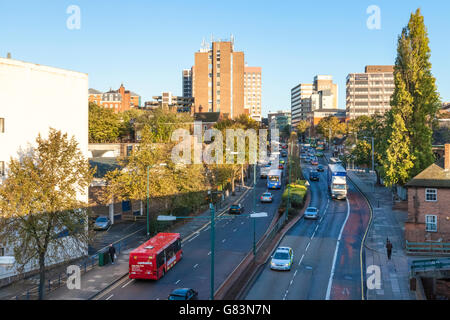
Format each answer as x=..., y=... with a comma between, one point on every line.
x=414, y=103
x=39, y=200
x=302, y=126
x=330, y=127
x=104, y=124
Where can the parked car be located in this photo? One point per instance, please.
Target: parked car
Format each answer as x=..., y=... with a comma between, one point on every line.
x=311, y=213
x=320, y=168
x=314, y=161
x=183, y=294
x=314, y=175
x=236, y=209
x=266, y=197
x=319, y=154
x=284, y=153
x=281, y=166
x=102, y=223
x=282, y=259
x=282, y=161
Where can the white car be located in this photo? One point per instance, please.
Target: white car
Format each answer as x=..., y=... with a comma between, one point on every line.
x=282, y=259
x=267, y=197
x=311, y=213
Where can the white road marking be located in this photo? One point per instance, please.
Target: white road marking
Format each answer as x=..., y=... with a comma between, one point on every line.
x=224, y=240
x=234, y=230
x=109, y=297
x=193, y=238
x=127, y=283
x=295, y=273
x=330, y=280
x=177, y=281
x=301, y=259
x=209, y=253
x=307, y=246
x=196, y=266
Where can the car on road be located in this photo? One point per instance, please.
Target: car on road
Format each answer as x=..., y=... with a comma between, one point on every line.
x=236, y=209
x=266, y=197
x=282, y=161
x=314, y=161
x=281, y=166
x=284, y=153
x=314, y=175
x=102, y=223
x=183, y=294
x=303, y=156
x=282, y=259
x=311, y=213
x=320, y=168
x=319, y=154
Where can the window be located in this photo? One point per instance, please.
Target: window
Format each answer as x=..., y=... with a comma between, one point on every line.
x=2, y=168
x=430, y=194
x=431, y=223
x=2, y=125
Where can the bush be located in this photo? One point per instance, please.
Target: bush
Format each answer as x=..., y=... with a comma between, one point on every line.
x=298, y=192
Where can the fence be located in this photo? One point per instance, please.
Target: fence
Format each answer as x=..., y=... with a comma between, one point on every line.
x=429, y=265
x=60, y=279
x=433, y=247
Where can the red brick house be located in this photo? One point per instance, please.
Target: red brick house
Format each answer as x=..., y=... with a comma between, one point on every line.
x=429, y=203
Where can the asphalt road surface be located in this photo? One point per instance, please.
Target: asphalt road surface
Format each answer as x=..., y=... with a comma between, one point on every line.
x=321, y=270
x=234, y=239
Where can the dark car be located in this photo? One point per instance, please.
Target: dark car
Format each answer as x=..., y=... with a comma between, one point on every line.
x=314, y=176
x=236, y=209
x=183, y=294
x=320, y=168
x=283, y=153
x=102, y=223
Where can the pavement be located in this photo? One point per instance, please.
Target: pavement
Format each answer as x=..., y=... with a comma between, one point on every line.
x=386, y=223
x=100, y=278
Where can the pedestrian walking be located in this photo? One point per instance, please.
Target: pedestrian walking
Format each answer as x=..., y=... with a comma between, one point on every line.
x=389, y=248
x=112, y=252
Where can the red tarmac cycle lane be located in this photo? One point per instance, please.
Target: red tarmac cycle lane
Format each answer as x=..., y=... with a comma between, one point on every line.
x=346, y=283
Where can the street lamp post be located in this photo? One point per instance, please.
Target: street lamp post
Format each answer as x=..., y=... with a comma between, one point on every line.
x=212, y=218
x=148, y=196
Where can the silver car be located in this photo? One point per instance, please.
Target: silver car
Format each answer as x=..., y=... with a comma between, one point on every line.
x=282, y=259
x=311, y=213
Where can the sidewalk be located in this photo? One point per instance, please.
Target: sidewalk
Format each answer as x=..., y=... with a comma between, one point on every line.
x=99, y=278
x=386, y=223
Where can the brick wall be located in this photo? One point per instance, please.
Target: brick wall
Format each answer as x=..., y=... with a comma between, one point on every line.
x=418, y=208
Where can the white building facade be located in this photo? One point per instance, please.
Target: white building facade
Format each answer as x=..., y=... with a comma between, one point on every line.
x=33, y=99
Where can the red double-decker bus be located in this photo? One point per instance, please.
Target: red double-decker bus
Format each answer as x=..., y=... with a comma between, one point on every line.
x=154, y=258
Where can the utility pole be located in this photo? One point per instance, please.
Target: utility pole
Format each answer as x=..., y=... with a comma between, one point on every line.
x=148, y=201
x=254, y=209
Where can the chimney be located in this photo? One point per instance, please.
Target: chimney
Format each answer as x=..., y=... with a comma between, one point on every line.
x=447, y=157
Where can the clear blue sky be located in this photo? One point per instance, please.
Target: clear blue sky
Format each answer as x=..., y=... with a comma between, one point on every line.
x=145, y=44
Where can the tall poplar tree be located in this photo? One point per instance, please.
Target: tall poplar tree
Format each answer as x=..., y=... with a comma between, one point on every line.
x=414, y=105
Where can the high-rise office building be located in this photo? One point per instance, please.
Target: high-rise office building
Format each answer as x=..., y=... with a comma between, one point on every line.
x=187, y=82
x=300, y=102
x=369, y=92
x=309, y=98
x=218, y=79
x=252, y=92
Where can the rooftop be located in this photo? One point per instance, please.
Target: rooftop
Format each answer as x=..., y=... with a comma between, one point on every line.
x=434, y=176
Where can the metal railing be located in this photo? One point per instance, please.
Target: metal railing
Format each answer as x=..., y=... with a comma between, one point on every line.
x=434, y=247
x=429, y=265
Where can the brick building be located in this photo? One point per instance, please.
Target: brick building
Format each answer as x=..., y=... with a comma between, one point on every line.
x=218, y=79
x=118, y=100
x=429, y=203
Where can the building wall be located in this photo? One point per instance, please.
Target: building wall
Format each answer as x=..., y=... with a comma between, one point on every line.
x=219, y=89
x=252, y=92
x=33, y=99
x=370, y=92
x=418, y=208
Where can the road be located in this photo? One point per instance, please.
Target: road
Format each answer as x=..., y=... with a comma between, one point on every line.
x=322, y=269
x=234, y=239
